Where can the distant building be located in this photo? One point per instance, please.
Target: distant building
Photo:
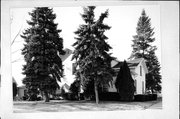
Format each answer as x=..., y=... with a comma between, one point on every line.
x=21, y=91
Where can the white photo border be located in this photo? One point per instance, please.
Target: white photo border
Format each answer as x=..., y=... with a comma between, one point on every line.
x=169, y=12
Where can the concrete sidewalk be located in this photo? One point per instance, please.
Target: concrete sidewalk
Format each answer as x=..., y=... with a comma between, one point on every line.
x=157, y=105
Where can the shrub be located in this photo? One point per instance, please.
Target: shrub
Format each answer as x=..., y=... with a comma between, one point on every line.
x=82, y=96
x=58, y=97
x=154, y=96
x=75, y=87
x=32, y=98
x=125, y=83
x=114, y=96
x=39, y=98
x=109, y=96
x=148, y=97
x=24, y=98
x=70, y=96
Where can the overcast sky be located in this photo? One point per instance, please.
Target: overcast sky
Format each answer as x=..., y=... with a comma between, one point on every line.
x=122, y=19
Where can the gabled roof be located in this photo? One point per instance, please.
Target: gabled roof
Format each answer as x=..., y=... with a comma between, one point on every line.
x=134, y=61
x=132, y=64
x=14, y=81
x=22, y=87
x=114, y=62
x=118, y=65
x=68, y=52
x=66, y=86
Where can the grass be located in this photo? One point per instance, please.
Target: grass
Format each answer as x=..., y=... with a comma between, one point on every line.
x=69, y=106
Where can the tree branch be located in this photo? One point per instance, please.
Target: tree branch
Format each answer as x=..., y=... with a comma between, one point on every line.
x=16, y=35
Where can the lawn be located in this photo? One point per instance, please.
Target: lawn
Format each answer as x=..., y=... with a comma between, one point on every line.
x=68, y=106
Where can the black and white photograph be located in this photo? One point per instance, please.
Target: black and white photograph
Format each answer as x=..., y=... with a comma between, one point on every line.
x=86, y=58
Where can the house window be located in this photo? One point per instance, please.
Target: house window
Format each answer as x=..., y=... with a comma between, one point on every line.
x=25, y=92
x=73, y=68
x=140, y=70
x=143, y=87
x=135, y=84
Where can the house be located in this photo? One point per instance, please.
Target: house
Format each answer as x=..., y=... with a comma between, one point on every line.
x=21, y=90
x=68, y=77
x=65, y=87
x=138, y=71
x=137, y=68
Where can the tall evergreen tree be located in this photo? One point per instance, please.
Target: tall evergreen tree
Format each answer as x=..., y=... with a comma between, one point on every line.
x=124, y=83
x=41, y=51
x=93, y=62
x=143, y=48
x=153, y=77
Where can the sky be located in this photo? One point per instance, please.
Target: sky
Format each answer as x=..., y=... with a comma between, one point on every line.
x=122, y=19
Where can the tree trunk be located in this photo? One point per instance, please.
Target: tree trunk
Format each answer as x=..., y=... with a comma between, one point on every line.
x=96, y=92
x=152, y=91
x=46, y=96
x=79, y=91
x=79, y=96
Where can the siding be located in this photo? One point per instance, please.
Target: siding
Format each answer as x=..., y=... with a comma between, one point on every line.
x=112, y=87
x=21, y=91
x=140, y=86
x=68, y=71
x=140, y=79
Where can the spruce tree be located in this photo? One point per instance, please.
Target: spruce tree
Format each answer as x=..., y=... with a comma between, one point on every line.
x=143, y=48
x=41, y=51
x=153, y=77
x=93, y=62
x=124, y=83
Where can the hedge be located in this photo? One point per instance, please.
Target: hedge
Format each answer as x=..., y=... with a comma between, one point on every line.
x=109, y=96
x=71, y=96
x=147, y=97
